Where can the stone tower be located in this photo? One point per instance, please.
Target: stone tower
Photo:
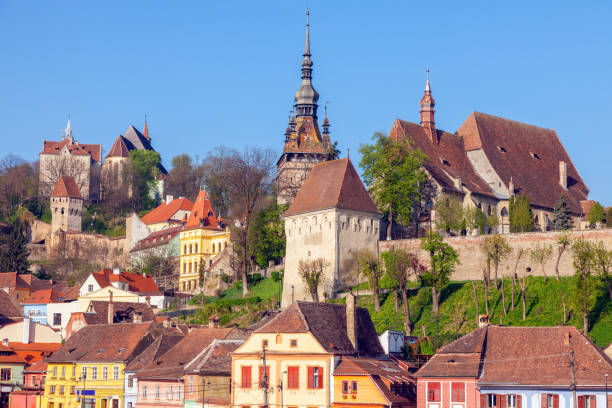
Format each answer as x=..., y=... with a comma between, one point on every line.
x=66, y=206
x=427, y=112
x=305, y=145
x=332, y=217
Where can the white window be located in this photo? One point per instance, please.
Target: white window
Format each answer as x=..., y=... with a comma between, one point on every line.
x=510, y=401
x=105, y=373
x=491, y=400
x=90, y=288
x=84, y=373
x=169, y=393
x=94, y=373
x=115, y=372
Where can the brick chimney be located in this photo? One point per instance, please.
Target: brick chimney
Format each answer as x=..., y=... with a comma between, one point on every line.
x=563, y=174
x=111, y=309
x=213, y=321
x=137, y=317
x=483, y=320
x=351, y=321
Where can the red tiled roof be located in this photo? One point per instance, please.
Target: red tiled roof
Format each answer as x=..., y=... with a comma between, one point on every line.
x=66, y=186
x=332, y=184
x=214, y=359
x=327, y=323
x=12, y=280
x=93, y=150
x=161, y=237
x=137, y=282
x=7, y=308
x=43, y=296
x=306, y=138
x=34, y=352
x=202, y=214
x=40, y=367
x=13, y=358
x=529, y=155
x=122, y=312
x=168, y=339
x=119, y=148
x=166, y=211
x=446, y=157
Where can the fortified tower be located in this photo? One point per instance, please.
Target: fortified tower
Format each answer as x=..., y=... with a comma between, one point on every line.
x=305, y=144
x=66, y=206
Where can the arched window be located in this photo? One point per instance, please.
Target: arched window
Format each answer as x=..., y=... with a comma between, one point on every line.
x=62, y=210
x=196, y=248
x=504, y=212
x=184, y=249
x=213, y=247
x=190, y=248
x=279, y=339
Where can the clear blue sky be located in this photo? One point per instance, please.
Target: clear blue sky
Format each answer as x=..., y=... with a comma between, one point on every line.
x=210, y=73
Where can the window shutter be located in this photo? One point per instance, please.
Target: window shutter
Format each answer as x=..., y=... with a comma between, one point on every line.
x=310, y=377
x=593, y=403
x=518, y=401
x=320, y=377
x=556, y=400
x=261, y=377
x=246, y=377
x=483, y=400
x=544, y=401
x=501, y=401
x=581, y=403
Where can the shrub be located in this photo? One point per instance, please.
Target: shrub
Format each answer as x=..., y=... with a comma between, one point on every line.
x=276, y=276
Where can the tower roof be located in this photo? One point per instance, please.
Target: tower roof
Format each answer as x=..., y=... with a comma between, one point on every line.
x=119, y=148
x=202, y=214
x=332, y=184
x=306, y=97
x=66, y=186
x=145, y=130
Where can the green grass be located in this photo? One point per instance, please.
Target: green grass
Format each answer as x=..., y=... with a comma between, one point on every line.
x=457, y=316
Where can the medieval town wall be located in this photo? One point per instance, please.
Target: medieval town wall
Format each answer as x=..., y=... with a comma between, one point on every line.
x=472, y=259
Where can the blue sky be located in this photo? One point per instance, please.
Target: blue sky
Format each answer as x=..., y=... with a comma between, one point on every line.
x=210, y=73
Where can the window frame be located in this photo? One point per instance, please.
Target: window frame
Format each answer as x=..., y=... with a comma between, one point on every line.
x=439, y=391
x=246, y=381
x=455, y=385
x=2, y=374
x=293, y=377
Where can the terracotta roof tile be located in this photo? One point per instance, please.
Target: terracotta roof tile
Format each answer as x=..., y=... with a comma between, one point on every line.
x=157, y=238
x=137, y=282
x=202, y=213
x=446, y=158
x=155, y=350
x=66, y=186
x=81, y=149
x=530, y=156
x=214, y=359
x=119, y=148
x=7, y=308
x=122, y=311
x=43, y=296
x=332, y=184
x=165, y=211
x=306, y=138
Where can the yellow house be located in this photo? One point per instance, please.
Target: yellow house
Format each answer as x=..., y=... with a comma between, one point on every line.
x=302, y=345
x=201, y=240
x=88, y=370
x=374, y=383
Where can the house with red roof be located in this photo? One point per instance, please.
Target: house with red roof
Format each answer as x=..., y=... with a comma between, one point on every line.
x=68, y=157
x=488, y=160
x=171, y=213
x=516, y=367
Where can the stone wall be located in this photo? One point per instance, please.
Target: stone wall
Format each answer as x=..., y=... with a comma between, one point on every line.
x=108, y=252
x=472, y=260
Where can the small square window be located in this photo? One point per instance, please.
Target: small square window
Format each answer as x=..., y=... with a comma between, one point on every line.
x=264, y=343
x=293, y=343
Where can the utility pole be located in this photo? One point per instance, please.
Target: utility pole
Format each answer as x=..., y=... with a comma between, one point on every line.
x=265, y=379
x=573, y=385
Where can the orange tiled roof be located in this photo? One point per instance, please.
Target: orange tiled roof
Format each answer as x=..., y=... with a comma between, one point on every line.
x=66, y=186
x=166, y=211
x=137, y=282
x=82, y=149
x=43, y=296
x=119, y=148
x=202, y=214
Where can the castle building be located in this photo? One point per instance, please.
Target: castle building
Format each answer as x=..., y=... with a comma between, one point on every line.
x=489, y=159
x=201, y=241
x=332, y=217
x=116, y=159
x=68, y=157
x=305, y=145
x=66, y=206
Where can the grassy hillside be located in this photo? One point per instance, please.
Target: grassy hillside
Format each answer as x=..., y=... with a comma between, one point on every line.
x=457, y=314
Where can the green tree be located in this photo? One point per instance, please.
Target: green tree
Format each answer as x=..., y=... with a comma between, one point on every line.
x=540, y=254
x=449, y=213
x=142, y=172
x=562, y=219
x=521, y=215
x=400, y=267
x=595, y=214
x=392, y=172
x=312, y=274
x=609, y=217
x=267, y=235
x=602, y=259
x=563, y=242
x=442, y=261
x=492, y=221
x=584, y=284
x=495, y=249
x=13, y=249
x=369, y=266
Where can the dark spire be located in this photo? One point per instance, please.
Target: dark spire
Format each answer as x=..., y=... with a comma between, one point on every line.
x=325, y=122
x=306, y=97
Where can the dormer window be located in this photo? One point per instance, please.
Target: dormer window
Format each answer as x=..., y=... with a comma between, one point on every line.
x=535, y=155
x=445, y=162
x=501, y=149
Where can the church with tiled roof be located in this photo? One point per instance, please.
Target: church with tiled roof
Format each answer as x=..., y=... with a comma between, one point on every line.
x=489, y=159
x=305, y=144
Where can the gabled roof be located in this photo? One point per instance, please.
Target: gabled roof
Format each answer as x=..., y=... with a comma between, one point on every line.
x=137, y=139
x=214, y=359
x=156, y=349
x=332, y=184
x=40, y=367
x=66, y=186
x=136, y=282
x=105, y=343
x=34, y=352
x=43, y=296
x=165, y=211
x=446, y=159
x=530, y=155
x=327, y=323
x=122, y=311
x=157, y=238
x=80, y=149
x=202, y=214
x=7, y=308
x=119, y=148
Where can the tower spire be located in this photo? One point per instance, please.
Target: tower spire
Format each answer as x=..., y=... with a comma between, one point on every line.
x=427, y=111
x=68, y=131
x=306, y=97
x=145, y=130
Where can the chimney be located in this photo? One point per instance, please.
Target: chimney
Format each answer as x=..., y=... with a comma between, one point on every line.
x=213, y=321
x=351, y=323
x=483, y=320
x=169, y=198
x=511, y=187
x=566, y=338
x=148, y=300
x=167, y=322
x=137, y=317
x=116, y=271
x=111, y=310
x=27, y=327
x=563, y=174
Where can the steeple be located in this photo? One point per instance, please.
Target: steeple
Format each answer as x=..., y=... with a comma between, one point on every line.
x=145, y=130
x=427, y=111
x=306, y=97
x=68, y=132
x=325, y=122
